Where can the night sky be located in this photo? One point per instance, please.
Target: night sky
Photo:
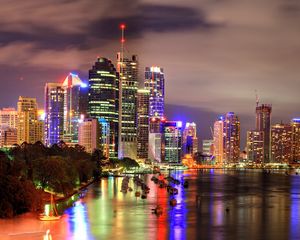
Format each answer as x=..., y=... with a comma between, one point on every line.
x=215, y=53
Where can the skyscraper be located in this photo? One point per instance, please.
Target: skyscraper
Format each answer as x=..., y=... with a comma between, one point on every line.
x=8, y=117
x=281, y=143
x=207, y=147
x=54, y=113
x=89, y=134
x=142, y=124
x=231, y=138
x=156, y=149
x=296, y=139
x=190, y=140
x=128, y=70
x=255, y=146
x=8, y=136
x=172, y=142
x=72, y=87
x=155, y=83
x=219, y=140
x=104, y=99
x=28, y=126
x=263, y=124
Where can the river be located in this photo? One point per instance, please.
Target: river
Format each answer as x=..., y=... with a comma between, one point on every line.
x=233, y=205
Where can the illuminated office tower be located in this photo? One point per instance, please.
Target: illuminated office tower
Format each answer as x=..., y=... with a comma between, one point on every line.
x=28, y=125
x=104, y=99
x=155, y=83
x=142, y=124
x=54, y=113
x=281, y=143
x=72, y=87
x=255, y=146
x=190, y=140
x=263, y=124
x=128, y=71
x=155, y=149
x=231, y=138
x=89, y=134
x=218, y=134
x=9, y=118
x=296, y=139
x=172, y=142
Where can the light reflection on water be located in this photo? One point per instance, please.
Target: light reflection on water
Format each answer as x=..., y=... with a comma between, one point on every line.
x=234, y=205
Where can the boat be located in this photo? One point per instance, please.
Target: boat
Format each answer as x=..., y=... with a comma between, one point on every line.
x=53, y=214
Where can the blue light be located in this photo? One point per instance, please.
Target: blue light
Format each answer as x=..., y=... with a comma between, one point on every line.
x=83, y=85
x=296, y=120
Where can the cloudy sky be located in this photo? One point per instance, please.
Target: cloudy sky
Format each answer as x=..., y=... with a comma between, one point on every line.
x=215, y=53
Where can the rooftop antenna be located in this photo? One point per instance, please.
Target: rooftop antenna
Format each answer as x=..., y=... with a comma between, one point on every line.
x=257, y=98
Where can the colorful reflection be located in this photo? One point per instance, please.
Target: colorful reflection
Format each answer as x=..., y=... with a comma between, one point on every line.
x=295, y=208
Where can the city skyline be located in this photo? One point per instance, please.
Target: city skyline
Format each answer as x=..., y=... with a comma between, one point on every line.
x=202, y=86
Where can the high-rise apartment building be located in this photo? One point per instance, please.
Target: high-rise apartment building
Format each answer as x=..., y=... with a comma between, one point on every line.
x=128, y=71
x=28, y=125
x=8, y=136
x=296, y=139
x=231, y=138
x=72, y=87
x=255, y=146
x=281, y=143
x=142, y=123
x=89, y=134
x=54, y=113
x=172, y=142
x=218, y=135
x=9, y=118
x=190, y=140
x=104, y=100
x=263, y=124
x=155, y=83
x=207, y=147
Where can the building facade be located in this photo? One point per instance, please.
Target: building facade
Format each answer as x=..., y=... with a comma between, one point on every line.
x=104, y=100
x=28, y=126
x=218, y=134
x=155, y=148
x=142, y=123
x=172, y=142
x=296, y=139
x=54, y=113
x=89, y=134
x=8, y=137
x=255, y=146
x=263, y=124
x=128, y=71
x=281, y=143
x=208, y=147
x=155, y=83
x=72, y=87
x=231, y=138
x=9, y=118
x=190, y=140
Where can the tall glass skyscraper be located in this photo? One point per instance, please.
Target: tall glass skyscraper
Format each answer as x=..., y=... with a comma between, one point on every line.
x=128, y=71
x=172, y=143
x=72, y=86
x=190, y=140
x=155, y=83
x=263, y=124
x=219, y=140
x=104, y=99
x=54, y=113
x=296, y=139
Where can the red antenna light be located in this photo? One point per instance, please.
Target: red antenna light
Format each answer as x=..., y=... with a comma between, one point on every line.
x=122, y=26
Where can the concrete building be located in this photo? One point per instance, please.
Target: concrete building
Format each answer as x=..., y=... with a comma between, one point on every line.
x=218, y=133
x=142, y=124
x=28, y=129
x=208, y=147
x=9, y=118
x=296, y=139
x=89, y=134
x=255, y=146
x=8, y=136
x=156, y=149
x=281, y=143
x=172, y=142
